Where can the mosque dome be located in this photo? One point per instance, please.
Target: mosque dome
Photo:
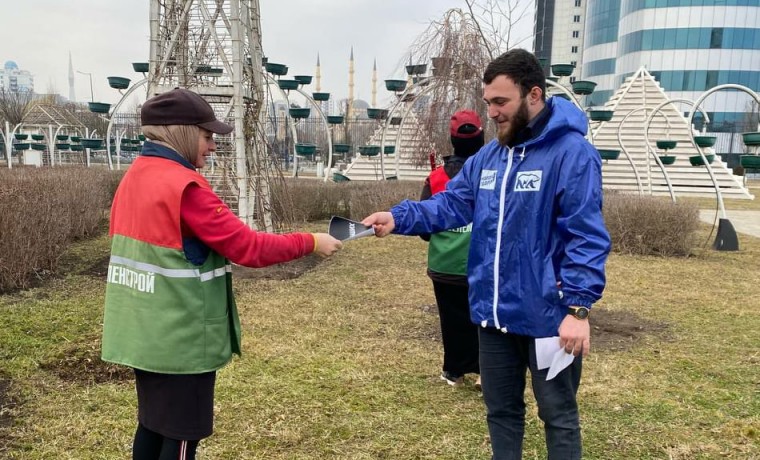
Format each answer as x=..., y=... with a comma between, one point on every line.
x=360, y=104
x=11, y=65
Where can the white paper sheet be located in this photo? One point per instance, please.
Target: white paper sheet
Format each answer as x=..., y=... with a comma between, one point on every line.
x=545, y=349
x=550, y=354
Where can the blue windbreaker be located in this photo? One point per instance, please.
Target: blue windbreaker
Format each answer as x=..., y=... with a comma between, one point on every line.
x=537, y=219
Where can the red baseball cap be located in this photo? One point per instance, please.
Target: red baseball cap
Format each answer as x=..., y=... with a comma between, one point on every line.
x=462, y=118
x=182, y=107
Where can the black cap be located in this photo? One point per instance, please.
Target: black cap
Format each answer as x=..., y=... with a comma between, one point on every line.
x=182, y=107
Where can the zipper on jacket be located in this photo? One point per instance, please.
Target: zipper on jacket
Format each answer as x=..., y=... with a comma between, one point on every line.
x=497, y=253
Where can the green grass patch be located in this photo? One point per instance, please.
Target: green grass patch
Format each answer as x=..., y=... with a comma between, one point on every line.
x=342, y=362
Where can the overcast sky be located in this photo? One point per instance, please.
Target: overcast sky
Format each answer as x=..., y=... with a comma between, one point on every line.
x=105, y=36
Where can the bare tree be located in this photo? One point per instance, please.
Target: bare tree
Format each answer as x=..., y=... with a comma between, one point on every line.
x=15, y=105
x=459, y=46
x=496, y=21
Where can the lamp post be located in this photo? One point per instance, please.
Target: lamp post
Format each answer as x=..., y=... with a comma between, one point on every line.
x=92, y=95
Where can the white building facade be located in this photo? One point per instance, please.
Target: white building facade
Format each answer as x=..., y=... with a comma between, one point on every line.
x=13, y=79
x=559, y=33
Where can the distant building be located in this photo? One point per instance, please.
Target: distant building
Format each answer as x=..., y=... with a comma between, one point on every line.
x=559, y=32
x=359, y=108
x=689, y=46
x=13, y=79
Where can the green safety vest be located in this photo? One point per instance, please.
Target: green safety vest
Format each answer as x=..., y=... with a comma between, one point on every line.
x=163, y=313
x=448, y=250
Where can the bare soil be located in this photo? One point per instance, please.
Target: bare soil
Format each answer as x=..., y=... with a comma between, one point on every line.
x=284, y=271
x=80, y=363
x=610, y=330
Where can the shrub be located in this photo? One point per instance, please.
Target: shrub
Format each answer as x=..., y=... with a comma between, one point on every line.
x=41, y=211
x=648, y=225
x=303, y=200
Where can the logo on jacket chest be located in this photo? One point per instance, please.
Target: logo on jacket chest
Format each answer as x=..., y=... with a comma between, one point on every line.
x=488, y=180
x=528, y=181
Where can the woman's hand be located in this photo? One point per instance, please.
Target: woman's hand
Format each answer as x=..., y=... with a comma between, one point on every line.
x=326, y=245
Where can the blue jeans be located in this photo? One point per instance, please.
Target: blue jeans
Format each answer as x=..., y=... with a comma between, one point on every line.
x=504, y=359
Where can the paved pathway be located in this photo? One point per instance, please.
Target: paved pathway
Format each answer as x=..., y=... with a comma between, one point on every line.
x=747, y=222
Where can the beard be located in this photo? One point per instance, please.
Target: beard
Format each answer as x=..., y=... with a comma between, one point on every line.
x=519, y=121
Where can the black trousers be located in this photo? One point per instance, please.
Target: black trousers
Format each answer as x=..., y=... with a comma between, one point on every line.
x=460, y=335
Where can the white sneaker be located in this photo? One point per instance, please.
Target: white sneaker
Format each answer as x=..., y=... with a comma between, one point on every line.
x=451, y=379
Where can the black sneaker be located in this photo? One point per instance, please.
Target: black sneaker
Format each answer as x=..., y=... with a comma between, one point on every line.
x=452, y=379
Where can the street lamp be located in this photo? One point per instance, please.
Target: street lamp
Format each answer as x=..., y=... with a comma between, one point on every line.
x=92, y=96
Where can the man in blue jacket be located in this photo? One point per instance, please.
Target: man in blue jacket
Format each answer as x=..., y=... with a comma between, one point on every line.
x=537, y=253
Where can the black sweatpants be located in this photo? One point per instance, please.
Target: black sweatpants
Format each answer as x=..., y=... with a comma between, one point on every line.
x=460, y=335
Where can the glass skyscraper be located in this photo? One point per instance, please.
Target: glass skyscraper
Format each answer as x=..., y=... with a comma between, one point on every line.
x=689, y=46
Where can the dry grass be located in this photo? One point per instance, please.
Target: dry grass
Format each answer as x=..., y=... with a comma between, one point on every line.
x=711, y=203
x=342, y=363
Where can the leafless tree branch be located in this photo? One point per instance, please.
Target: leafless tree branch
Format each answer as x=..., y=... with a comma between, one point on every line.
x=14, y=105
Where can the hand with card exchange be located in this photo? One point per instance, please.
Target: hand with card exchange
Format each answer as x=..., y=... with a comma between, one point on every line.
x=382, y=222
x=325, y=245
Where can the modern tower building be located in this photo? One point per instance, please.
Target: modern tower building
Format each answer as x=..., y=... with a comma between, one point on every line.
x=72, y=93
x=559, y=32
x=689, y=46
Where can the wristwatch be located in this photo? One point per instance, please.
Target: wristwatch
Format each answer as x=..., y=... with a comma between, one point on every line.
x=579, y=312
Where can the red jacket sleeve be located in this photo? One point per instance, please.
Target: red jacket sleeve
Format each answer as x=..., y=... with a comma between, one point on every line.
x=204, y=216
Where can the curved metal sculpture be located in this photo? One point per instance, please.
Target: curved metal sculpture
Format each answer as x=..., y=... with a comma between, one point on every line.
x=625, y=150
x=651, y=151
x=110, y=124
x=271, y=81
x=704, y=158
x=428, y=84
x=725, y=239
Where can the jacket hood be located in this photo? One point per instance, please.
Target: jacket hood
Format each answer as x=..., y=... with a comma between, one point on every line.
x=565, y=116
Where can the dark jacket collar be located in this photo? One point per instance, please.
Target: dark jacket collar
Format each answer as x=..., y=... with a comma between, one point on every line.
x=152, y=149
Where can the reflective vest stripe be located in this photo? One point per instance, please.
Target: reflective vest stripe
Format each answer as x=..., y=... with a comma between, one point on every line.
x=172, y=272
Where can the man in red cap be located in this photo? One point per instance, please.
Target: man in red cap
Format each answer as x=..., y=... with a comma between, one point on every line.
x=447, y=259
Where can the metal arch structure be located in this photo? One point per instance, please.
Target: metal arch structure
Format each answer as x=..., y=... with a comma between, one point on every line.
x=114, y=111
x=652, y=151
x=701, y=99
x=427, y=84
x=8, y=139
x=213, y=47
x=293, y=132
x=725, y=238
x=625, y=150
x=327, y=129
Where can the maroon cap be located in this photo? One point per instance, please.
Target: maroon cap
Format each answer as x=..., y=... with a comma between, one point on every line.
x=181, y=107
x=462, y=118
